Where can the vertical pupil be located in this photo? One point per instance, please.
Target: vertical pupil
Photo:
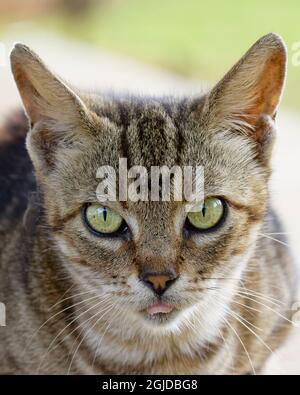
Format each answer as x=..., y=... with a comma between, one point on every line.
x=203, y=211
x=104, y=214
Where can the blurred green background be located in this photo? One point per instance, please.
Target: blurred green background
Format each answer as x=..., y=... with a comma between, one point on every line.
x=199, y=39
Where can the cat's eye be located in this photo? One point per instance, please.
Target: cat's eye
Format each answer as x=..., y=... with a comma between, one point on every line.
x=103, y=220
x=207, y=215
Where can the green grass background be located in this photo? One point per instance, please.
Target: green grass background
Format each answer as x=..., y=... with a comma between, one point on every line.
x=199, y=39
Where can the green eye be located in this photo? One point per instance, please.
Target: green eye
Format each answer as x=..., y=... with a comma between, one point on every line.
x=208, y=215
x=103, y=219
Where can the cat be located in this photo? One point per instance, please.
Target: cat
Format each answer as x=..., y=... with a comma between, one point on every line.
x=142, y=287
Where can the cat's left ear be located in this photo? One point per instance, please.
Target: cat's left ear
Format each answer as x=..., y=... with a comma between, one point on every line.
x=247, y=98
x=44, y=94
x=58, y=116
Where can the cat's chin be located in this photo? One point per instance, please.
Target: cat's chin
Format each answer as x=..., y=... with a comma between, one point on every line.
x=159, y=319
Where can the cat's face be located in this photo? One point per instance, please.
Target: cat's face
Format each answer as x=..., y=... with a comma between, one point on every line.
x=157, y=268
x=158, y=238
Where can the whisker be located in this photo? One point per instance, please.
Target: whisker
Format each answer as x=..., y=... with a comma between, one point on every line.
x=107, y=306
x=228, y=348
x=73, y=357
x=70, y=297
x=82, y=324
x=242, y=343
x=269, y=308
x=274, y=239
x=221, y=278
x=255, y=334
x=244, y=320
x=100, y=341
x=258, y=294
x=53, y=316
x=70, y=323
x=268, y=299
x=72, y=286
x=263, y=298
x=277, y=233
x=247, y=307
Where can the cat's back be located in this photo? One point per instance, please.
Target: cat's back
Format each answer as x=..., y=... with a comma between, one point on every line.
x=16, y=172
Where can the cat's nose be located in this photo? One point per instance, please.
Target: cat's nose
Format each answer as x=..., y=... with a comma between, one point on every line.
x=159, y=282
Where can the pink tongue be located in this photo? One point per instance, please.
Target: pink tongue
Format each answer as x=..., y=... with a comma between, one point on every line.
x=159, y=308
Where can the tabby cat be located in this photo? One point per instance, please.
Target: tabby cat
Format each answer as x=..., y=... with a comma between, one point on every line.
x=142, y=287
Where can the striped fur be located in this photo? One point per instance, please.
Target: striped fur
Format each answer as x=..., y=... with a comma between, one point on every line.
x=73, y=300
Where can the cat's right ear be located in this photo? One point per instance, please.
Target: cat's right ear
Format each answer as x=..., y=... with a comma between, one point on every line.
x=247, y=98
x=44, y=95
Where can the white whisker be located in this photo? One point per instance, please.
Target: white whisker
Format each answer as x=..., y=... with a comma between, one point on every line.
x=242, y=343
x=98, y=320
x=269, y=308
x=274, y=239
x=70, y=323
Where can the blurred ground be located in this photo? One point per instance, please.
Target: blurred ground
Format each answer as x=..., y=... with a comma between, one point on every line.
x=88, y=67
x=191, y=37
x=197, y=39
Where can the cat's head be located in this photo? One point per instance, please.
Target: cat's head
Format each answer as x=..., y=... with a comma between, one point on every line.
x=152, y=261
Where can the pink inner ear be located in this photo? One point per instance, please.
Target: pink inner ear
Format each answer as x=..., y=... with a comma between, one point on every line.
x=268, y=90
x=250, y=91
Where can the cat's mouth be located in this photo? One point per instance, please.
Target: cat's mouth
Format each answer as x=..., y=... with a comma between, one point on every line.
x=159, y=308
x=159, y=313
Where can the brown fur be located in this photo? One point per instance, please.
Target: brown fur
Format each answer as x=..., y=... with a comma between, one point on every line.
x=74, y=300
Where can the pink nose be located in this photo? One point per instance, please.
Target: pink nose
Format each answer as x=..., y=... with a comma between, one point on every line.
x=159, y=282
